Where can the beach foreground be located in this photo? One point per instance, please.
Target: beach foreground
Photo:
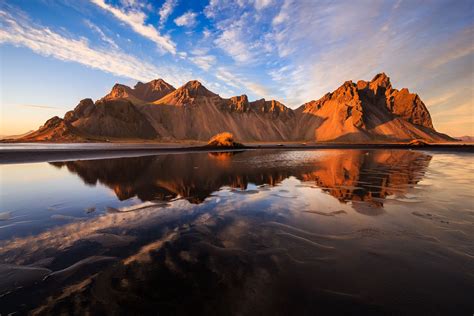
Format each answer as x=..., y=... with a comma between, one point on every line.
x=40, y=152
x=293, y=231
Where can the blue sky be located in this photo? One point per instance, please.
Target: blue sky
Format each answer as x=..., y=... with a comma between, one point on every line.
x=54, y=53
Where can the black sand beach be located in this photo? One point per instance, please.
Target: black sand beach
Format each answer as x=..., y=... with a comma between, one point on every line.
x=41, y=152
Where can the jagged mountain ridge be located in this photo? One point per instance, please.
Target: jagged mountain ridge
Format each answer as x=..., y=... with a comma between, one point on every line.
x=365, y=111
x=142, y=92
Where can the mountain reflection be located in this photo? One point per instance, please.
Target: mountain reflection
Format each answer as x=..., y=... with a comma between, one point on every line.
x=349, y=175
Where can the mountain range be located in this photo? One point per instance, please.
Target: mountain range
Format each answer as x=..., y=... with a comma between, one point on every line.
x=366, y=111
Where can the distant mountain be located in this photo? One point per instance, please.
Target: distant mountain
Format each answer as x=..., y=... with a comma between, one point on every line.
x=355, y=112
x=467, y=139
x=14, y=136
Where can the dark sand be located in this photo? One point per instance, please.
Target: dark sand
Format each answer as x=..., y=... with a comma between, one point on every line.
x=24, y=154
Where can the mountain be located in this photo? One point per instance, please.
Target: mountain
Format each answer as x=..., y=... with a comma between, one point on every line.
x=142, y=92
x=14, y=136
x=466, y=139
x=365, y=111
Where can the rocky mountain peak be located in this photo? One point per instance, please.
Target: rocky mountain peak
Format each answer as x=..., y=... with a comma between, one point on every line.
x=141, y=92
x=118, y=91
x=195, y=88
x=380, y=80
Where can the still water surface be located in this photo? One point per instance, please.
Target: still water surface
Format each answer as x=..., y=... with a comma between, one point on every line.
x=255, y=232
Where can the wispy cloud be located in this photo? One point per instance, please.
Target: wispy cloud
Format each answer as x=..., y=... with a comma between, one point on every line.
x=242, y=84
x=19, y=31
x=261, y=4
x=166, y=10
x=102, y=35
x=45, y=107
x=458, y=47
x=136, y=20
x=283, y=15
x=188, y=19
x=234, y=41
x=204, y=62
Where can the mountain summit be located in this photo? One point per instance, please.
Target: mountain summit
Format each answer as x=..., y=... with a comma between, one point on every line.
x=186, y=95
x=142, y=92
x=366, y=111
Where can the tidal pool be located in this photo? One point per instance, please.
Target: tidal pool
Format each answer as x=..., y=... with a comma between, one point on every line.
x=240, y=233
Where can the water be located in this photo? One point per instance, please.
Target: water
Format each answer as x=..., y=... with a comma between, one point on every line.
x=255, y=232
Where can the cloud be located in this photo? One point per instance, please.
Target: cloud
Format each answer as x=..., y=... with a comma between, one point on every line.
x=234, y=42
x=204, y=62
x=457, y=47
x=46, y=107
x=283, y=15
x=166, y=10
x=261, y=4
x=243, y=84
x=216, y=8
x=136, y=20
x=188, y=19
x=206, y=33
x=19, y=31
x=102, y=35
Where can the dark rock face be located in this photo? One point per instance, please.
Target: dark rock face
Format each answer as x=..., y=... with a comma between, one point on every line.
x=112, y=118
x=401, y=103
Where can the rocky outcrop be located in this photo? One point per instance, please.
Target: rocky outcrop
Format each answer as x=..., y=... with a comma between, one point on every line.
x=238, y=104
x=366, y=111
x=273, y=107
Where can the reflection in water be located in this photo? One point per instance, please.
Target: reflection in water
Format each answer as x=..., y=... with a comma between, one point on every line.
x=347, y=175
x=255, y=232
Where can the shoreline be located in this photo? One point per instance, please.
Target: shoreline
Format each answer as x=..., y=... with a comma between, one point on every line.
x=116, y=150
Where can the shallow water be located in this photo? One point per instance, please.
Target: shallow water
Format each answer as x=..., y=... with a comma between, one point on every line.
x=255, y=232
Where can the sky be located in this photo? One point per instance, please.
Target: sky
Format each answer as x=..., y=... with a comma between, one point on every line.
x=53, y=53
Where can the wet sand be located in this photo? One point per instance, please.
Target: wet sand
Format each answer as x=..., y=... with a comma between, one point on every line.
x=258, y=232
x=26, y=153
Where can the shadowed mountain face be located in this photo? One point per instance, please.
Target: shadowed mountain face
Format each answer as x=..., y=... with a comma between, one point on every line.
x=362, y=112
x=365, y=178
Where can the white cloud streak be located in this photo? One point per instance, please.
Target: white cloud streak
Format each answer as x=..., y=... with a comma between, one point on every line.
x=19, y=31
x=102, y=35
x=188, y=19
x=234, y=41
x=136, y=20
x=242, y=84
x=166, y=10
x=261, y=4
x=204, y=62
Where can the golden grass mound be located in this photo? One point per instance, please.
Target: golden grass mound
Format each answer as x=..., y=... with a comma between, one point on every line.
x=224, y=140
